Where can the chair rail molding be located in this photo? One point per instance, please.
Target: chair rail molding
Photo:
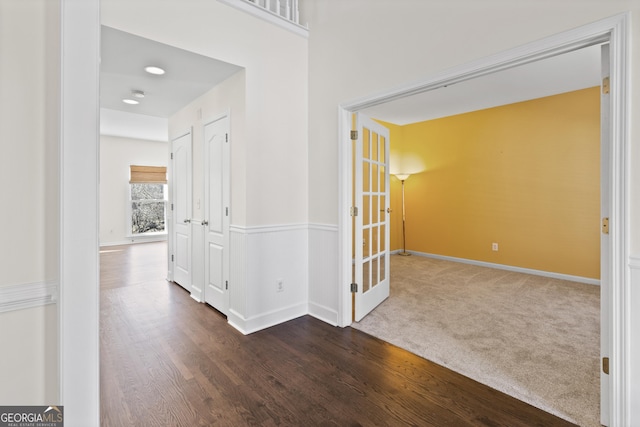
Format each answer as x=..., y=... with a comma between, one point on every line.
x=28, y=295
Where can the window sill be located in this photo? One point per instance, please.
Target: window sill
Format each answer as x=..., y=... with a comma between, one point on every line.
x=148, y=236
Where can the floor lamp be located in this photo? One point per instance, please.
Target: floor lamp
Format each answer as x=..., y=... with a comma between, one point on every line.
x=403, y=177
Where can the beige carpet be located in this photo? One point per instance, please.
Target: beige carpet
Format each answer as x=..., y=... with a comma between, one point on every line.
x=534, y=338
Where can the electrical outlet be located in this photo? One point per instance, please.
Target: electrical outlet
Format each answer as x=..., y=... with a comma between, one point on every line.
x=494, y=247
x=279, y=285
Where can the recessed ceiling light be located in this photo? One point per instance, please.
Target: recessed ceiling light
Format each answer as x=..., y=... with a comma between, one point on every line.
x=154, y=70
x=137, y=94
x=130, y=101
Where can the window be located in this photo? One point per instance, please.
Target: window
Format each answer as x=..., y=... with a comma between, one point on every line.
x=148, y=199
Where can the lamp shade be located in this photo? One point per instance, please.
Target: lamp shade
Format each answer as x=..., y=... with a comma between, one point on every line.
x=402, y=176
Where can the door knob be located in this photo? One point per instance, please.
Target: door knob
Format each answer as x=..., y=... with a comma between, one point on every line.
x=187, y=221
x=204, y=222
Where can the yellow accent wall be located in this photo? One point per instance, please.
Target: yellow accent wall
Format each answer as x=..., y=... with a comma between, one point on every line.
x=525, y=176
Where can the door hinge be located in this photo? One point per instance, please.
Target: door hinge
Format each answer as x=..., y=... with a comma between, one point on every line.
x=605, y=225
x=226, y=211
x=171, y=206
x=354, y=287
x=605, y=365
x=226, y=137
x=354, y=211
x=226, y=284
x=354, y=135
x=171, y=258
x=171, y=156
x=605, y=85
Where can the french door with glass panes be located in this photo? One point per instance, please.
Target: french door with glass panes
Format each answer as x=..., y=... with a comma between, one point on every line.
x=370, y=215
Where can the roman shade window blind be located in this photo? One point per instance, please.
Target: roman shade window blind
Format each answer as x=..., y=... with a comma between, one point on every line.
x=148, y=174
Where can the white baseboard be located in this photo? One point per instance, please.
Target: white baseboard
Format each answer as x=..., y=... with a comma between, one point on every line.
x=326, y=314
x=27, y=295
x=116, y=243
x=550, y=274
x=135, y=240
x=265, y=320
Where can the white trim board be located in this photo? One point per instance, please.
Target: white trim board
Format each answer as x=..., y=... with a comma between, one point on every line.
x=267, y=228
x=79, y=305
x=323, y=227
x=324, y=313
x=27, y=295
x=560, y=276
x=266, y=320
x=282, y=227
x=135, y=241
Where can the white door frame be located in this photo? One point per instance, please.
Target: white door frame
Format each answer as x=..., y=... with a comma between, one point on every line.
x=615, y=30
x=605, y=241
x=79, y=293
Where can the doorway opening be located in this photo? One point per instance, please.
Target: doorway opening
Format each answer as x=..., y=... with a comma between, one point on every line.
x=610, y=31
x=137, y=102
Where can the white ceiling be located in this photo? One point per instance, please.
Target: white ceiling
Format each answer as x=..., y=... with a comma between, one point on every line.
x=123, y=58
x=132, y=125
x=564, y=73
x=189, y=75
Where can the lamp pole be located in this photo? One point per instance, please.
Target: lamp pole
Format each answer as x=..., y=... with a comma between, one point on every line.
x=403, y=178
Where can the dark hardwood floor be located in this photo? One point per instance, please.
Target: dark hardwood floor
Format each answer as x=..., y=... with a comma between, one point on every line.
x=167, y=360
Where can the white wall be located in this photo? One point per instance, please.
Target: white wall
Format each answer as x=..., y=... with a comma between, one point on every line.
x=116, y=155
x=29, y=170
x=29, y=131
x=29, y=358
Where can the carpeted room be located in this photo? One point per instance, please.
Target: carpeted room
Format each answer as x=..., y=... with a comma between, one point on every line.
x=524, y=176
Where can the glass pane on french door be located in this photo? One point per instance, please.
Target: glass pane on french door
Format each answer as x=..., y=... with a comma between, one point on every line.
x=373, y=209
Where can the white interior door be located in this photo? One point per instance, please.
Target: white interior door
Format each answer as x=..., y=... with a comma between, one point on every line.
x=181, y=199
x=605, y=240
x=371, y=216
x=216, y=251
